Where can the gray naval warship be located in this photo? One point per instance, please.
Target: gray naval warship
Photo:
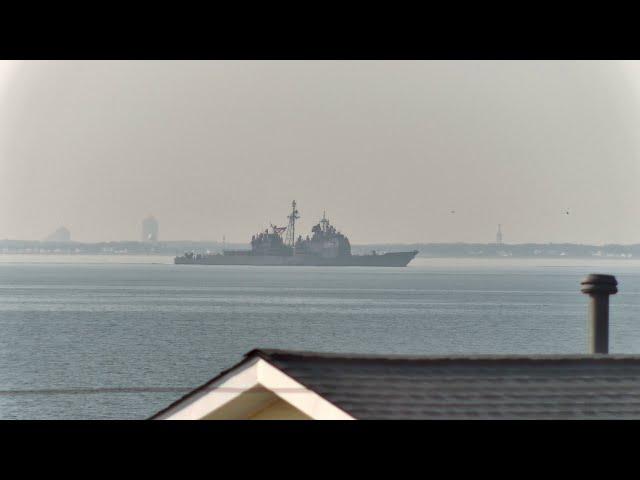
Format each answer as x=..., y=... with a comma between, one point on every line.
x=325, y=247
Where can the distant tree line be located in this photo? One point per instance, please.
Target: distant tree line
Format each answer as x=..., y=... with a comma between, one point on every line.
x=425, y=249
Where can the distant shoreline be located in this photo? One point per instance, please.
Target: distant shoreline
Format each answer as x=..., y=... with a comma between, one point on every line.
x=427, y=250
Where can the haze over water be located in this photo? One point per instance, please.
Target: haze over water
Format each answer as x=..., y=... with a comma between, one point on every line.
x=388, y=149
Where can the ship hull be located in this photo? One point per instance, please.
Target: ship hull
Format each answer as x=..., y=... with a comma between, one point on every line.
x=393, y=259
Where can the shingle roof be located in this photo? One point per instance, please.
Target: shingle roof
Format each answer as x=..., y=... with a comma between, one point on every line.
x=469, y=387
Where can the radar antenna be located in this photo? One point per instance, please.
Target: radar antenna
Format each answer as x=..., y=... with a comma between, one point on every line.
x=324, y=221
x=291, y=228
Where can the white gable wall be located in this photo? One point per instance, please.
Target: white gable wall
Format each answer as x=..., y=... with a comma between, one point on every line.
x=280, y=410
x=255, y=389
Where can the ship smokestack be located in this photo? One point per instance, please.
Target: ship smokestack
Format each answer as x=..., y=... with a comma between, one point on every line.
x=599, y=287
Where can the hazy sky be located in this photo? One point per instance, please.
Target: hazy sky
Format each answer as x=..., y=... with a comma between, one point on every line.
x=389, y=149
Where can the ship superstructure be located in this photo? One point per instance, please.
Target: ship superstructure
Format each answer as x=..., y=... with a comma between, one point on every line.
x=325, y=241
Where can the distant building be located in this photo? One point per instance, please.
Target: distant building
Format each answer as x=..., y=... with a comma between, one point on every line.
x=62, y=234
x=499, y=236
x=150, y=229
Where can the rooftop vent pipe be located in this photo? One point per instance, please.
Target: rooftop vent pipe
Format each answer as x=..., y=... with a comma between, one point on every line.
x=599, y=287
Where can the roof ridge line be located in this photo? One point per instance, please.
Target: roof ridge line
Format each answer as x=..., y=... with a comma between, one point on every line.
x=270, y=354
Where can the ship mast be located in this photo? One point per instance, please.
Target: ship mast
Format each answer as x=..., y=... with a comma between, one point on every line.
x=324, y=221
x=291, y=229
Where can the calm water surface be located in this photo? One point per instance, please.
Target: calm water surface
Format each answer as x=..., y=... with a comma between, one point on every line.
x=75, y=326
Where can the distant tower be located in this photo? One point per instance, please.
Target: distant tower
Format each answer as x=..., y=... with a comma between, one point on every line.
x=150, y=229
x=499, y=236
